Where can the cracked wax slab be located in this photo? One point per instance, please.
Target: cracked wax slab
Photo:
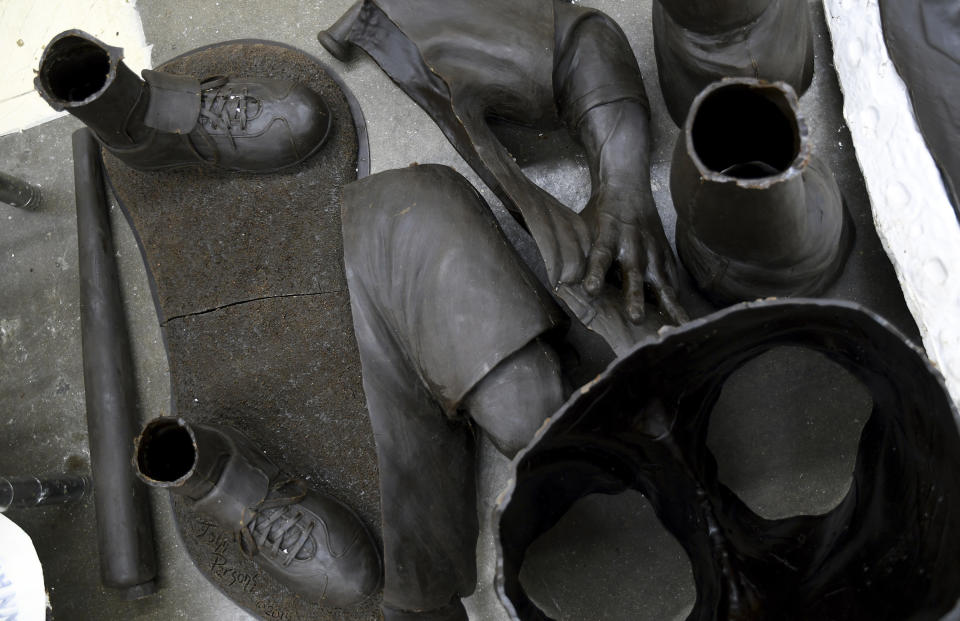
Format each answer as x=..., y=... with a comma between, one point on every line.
x=913, y=216
x=26, y=26
x=213, y=240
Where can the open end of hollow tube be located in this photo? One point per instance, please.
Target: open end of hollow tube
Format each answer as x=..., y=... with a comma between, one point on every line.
x=166, y=452
x=75, y=68
x=746, y=132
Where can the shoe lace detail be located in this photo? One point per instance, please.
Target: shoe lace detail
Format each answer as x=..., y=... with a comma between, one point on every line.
x=272, y=524
x=223, y=107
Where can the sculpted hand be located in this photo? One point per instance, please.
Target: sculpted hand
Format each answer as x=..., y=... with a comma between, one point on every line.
x=564, y=240
x=627, y=230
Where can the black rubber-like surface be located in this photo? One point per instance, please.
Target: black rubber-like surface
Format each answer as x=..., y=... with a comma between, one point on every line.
x=124, y=525
x=887, y=551
x=248, y=277
x=923, y=39
x=812, y=481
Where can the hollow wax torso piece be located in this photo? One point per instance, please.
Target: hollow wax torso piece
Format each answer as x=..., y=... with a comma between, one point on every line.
x=888, y=551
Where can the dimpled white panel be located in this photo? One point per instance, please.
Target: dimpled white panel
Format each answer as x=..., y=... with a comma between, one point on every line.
x=913, y=215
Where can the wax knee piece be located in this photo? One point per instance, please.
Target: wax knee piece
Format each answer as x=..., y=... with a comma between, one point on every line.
x=514, y=399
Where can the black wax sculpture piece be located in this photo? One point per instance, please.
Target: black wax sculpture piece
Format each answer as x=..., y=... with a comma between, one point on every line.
x=27, y=492
x=124, y=522
x=310, y=542
x=758, y=214
x=540, y=64
x=247, y=273
x=170, y=121
x=701, y=41
x=888, y=551
x=18, y=193
x=923, y=38
x=453, y=336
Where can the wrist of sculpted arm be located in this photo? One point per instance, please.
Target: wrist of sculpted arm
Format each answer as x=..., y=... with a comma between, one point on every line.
x=616, y=138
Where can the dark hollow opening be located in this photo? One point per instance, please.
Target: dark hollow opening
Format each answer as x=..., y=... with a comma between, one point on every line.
x=75, y=69
x=166, y=451
x=746, y=132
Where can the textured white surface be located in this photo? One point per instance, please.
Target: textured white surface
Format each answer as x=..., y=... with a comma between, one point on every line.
x=22, y=596
x=26, y=26
x=913, y=215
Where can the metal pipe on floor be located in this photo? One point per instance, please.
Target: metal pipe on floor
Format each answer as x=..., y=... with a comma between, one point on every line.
x=26, y=492
x=18, y=193
x=124, y=524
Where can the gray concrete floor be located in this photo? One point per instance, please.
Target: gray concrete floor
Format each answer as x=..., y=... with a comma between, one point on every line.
x=41, y=382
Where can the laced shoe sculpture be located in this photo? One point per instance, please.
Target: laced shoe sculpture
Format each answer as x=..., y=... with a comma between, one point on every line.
x=170, y=121
x=308, y=541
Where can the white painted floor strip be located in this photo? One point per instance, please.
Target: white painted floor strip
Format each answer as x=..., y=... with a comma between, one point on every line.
x=26, y=26
x=913, y=216
x=22, y=596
